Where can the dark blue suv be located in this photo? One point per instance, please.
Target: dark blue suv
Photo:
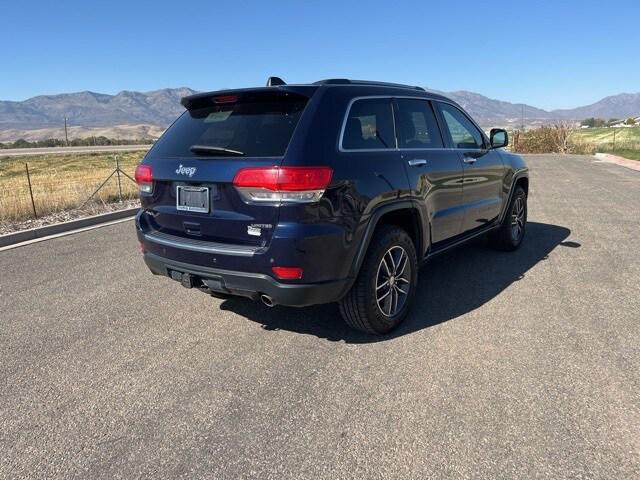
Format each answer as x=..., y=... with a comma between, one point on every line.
x=336, y=191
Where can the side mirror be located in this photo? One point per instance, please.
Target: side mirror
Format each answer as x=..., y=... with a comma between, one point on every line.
x=498, y=138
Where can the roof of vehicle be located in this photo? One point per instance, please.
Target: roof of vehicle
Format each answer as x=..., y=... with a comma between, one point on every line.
x=346, y=81
x=307, y=89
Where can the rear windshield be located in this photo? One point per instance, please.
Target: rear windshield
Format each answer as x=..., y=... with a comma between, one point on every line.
x=256, y=125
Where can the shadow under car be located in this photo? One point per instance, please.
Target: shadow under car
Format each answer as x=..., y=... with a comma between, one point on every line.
x=482, y=272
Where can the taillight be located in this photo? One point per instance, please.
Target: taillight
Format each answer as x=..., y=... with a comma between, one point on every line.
x=144, y=178
x=282, y=184
x=225, y=99
x=287, y=273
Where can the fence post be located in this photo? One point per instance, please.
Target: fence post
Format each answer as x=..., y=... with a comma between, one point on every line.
x=33, y=204
x=614, y=139
x=118, y=173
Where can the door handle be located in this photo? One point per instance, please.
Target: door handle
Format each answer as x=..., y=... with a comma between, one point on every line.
x=470, y=160
x=417, y=162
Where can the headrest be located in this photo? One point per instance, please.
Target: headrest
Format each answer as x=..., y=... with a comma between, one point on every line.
x=408, y=128
x=353, y=131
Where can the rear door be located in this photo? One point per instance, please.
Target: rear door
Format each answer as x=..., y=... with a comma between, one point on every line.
x=483, y=168
x=195, y=161
x=434, y=172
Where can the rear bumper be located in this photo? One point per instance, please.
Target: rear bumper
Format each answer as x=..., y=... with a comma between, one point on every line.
x=250, y=285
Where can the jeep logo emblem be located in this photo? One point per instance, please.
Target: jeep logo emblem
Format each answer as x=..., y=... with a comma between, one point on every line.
x=189, y=171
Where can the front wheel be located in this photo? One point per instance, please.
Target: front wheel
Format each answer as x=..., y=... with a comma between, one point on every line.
x=382, y=294
x=511, y=232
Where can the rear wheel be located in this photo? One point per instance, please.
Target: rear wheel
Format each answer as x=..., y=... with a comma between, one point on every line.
x=511, y=233
x=382, y=294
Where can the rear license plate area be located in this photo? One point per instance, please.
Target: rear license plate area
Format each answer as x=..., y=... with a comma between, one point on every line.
x=192, y=199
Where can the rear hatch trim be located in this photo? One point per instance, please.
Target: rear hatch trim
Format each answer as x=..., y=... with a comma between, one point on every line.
x=201, y=246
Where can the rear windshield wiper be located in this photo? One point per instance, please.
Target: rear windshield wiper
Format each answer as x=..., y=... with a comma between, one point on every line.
x=205, y=149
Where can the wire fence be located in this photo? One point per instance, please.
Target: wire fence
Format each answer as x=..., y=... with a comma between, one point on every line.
x=31, y=189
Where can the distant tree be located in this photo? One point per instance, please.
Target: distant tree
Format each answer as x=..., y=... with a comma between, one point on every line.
x=630, y=121
x=594, y=122
x=21, y=143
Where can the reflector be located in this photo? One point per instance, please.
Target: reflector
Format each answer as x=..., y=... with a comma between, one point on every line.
x=287, y=273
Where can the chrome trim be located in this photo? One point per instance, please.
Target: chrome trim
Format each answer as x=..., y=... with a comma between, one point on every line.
x=395, y=133
x=200, y=246
x=425, y=148
x=417, y=162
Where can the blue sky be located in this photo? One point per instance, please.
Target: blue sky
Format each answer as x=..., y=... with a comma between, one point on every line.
x=550, y=54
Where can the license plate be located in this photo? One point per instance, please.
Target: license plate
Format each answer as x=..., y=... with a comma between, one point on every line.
x=192, y=199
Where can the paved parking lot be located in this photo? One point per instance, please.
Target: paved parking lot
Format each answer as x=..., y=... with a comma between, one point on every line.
x=521, y=365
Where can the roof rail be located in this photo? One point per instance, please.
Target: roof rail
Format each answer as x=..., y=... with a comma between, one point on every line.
x=346, y=81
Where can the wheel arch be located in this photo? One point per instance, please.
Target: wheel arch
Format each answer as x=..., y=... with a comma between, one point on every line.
x=520, y=178
x=523, y=181
x=403, y=214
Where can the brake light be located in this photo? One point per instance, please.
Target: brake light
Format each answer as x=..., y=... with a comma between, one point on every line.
x=144, y=178
x=287, y=273
x=283, y=184
x=226, y=99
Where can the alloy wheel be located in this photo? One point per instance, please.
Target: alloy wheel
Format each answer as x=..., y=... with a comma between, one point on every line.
x=393, y=281
x=517, y=219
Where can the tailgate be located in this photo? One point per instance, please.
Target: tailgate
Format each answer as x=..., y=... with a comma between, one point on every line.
x=196, y=160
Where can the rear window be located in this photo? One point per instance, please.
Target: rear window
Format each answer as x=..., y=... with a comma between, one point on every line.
x=417, y=126
x=257, y=125
x=369, y=125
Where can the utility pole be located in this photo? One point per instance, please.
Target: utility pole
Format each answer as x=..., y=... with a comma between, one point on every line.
x=66, y=134
x=523, y=118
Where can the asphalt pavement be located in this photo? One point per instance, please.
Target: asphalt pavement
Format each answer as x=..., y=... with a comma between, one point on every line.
x=512, y=365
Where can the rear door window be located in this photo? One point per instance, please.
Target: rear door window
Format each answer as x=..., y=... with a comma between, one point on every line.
x=416, y=124
x=369, y=125
x=463, y=133
x=254, y=124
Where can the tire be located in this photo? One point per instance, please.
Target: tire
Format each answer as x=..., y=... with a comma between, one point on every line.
x=392, y=256
x=512, y=230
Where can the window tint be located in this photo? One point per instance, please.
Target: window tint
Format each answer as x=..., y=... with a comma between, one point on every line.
x=416, y=123
x=258, y=125
x=369, y=125
x=463, y=132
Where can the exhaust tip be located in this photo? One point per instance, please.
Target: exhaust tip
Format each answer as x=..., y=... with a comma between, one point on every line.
x=267, y=300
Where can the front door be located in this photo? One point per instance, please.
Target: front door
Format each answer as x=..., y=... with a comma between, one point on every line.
x=483, y=168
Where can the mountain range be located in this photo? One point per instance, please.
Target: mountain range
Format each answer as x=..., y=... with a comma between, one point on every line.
x=89, y=112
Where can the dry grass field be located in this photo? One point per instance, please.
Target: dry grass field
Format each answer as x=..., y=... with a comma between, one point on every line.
x=61, y=182
x=620, y=141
